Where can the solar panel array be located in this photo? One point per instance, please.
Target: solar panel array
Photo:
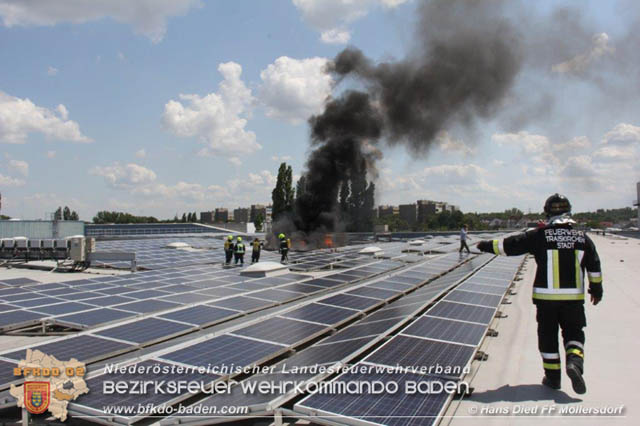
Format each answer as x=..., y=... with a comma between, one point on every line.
x=120, y=230
x=447, y=336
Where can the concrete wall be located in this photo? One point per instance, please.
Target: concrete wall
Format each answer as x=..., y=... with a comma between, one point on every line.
x=40, y=228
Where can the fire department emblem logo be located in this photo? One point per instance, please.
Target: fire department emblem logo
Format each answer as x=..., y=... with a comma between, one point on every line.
x=36, y=397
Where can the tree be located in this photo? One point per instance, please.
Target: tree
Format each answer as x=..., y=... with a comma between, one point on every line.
x=194, y=217
x=74, y=216
x=58, y=214
x=66, y=213
x=184, y=218
x=258, y=222
x=282, y=195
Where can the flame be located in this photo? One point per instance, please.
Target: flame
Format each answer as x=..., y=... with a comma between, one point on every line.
x=328, y=241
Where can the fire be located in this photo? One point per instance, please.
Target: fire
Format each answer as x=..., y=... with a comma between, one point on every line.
x=328, y=241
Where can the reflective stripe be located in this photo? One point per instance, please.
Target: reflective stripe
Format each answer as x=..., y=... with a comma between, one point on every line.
x=543, y=290
x=574, y=343
x=597, y=280
x=575, y=352
x=548, y=355
x=579, y=278
x=556, y=269
x=549, y=270
x=549, y=366
x=501, y=247
x=559, y=296
x=496, y=249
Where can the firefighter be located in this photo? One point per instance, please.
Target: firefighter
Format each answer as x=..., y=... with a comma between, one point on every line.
x=255, y=253
x=228, y=250
x=285, y=245
x=238, y=251
x=463, y=239
x=562, y=254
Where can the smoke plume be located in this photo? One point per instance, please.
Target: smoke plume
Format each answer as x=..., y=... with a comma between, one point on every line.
x=464, y=62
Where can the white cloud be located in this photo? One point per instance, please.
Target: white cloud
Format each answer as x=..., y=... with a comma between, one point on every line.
x=529, y=143
x=331, y=16
x=52, y=70
x=335, y=36
x=281, y=159
x=600, y=47
x=216, y=119
x=622, y=134
x=20, y=167
x=8, y=181
x=448, y=143
x=147, y=17
x=124, y=176
x=51, y=154
x=141, y=153
x=20, y=117
x=295, y=89
x=235, y=161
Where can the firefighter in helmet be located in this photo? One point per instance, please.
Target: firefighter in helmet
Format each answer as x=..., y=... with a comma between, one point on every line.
x=228, y=249
x=285, y=245
x=562, y=255
x=256, y=247
x=238, y=251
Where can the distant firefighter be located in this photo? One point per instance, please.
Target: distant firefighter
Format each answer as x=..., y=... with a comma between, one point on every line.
x=238, y=251
x=256, y=246
x=228, y=250
x=562, y=254
x=285, y=245
x=463, y=239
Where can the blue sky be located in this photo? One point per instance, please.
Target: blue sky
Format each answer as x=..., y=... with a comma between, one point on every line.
x=158, y=107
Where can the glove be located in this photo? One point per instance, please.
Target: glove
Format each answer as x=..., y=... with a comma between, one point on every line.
x=595, y=290
x=486, y=246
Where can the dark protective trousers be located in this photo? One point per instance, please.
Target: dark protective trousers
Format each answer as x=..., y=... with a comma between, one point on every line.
x=568, y=316
x=284, y=253
x=240, y=258
x=228, y=255
x=255, y=256
x=463, y=245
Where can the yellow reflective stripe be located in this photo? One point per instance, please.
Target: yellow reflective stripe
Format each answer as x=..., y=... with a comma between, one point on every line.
x=576, y=352
x=540, y=296
x=578, y=270
x=556, y=268
x=496, y=249
x=595, y=280
x=549, y=366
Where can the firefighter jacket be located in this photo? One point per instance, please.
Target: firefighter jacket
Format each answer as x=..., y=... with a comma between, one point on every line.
x=562, y=254
x=256, y=245
x=285, y=244
x=239, y=248
x=228, y=245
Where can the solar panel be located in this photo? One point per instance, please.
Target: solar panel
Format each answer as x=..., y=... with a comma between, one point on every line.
x=19, y=281
x=186, y=298
x=322, y=314
x=80, y=295
x=14, y=318
x=95, y=317
x=148, y=294
x=281, y=330
x=327, y=354
x=109, y=300
x=63, y=308
x=361, y=330
x=84, y=348
x=393, y=312
x=242, y=303
x=415, y=352
x=40, y=301
x=6, y=372
x=481, y=299
x=302, y=288
x=447, y=330
x=179, y=288
x=376, y=293
x=146, y=330
x=224, y=350
x=324, y=282
x=462, y=312
x=118, y=290
x=201, y=315
x=220, y=291
x=276, y=295
x=249, y=286
x=350, y=301
x=146, y=306
x=97, y=399
x=386, y=408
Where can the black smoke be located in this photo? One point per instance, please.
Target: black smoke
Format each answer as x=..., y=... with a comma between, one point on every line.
x=464, y=62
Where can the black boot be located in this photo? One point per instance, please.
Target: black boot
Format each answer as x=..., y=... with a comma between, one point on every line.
x=551, y=383
x=575, y=368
